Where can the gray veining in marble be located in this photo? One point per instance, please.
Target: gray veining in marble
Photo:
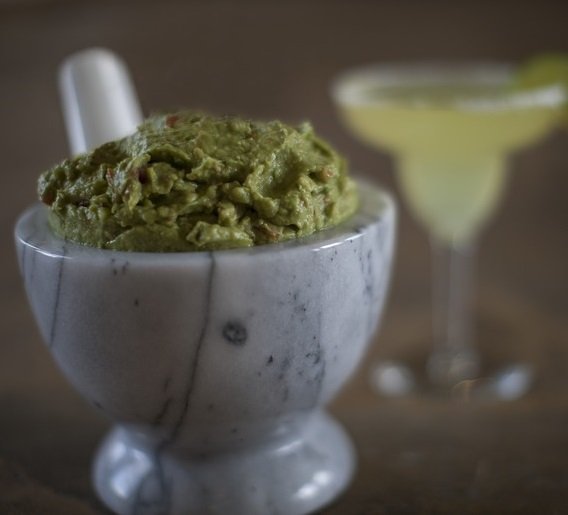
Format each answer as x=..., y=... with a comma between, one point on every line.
x=215, y=366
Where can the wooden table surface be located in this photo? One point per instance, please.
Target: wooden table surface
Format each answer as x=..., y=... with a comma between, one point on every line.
x=275, y=60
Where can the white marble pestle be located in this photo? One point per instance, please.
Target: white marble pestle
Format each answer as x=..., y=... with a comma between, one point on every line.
x=98, y=98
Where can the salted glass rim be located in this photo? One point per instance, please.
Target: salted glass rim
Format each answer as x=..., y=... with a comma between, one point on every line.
x=348, y=87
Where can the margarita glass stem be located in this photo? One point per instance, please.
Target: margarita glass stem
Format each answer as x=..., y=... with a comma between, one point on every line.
x=454, y=357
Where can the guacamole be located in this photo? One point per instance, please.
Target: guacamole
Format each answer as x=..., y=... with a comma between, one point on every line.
x=189, y=181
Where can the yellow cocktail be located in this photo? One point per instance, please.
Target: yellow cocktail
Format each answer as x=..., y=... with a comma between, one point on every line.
x=450, y=129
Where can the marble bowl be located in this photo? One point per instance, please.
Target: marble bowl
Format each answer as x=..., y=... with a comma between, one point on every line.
x=215, y=366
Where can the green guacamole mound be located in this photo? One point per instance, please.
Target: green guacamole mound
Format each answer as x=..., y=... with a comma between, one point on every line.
x=188, y=181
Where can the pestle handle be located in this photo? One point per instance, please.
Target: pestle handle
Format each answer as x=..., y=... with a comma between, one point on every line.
x=98, y=97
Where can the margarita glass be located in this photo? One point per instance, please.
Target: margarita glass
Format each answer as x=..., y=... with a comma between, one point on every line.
x=450, y=129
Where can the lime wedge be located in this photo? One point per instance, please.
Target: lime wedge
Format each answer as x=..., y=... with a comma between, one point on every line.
x=542, y=71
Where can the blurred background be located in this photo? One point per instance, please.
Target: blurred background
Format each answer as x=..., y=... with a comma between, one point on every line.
x=275, y=59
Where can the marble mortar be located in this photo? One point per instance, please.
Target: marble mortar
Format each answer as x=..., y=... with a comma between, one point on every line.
x=215, y=366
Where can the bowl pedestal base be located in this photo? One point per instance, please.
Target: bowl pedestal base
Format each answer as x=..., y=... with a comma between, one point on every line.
x=294, y=476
